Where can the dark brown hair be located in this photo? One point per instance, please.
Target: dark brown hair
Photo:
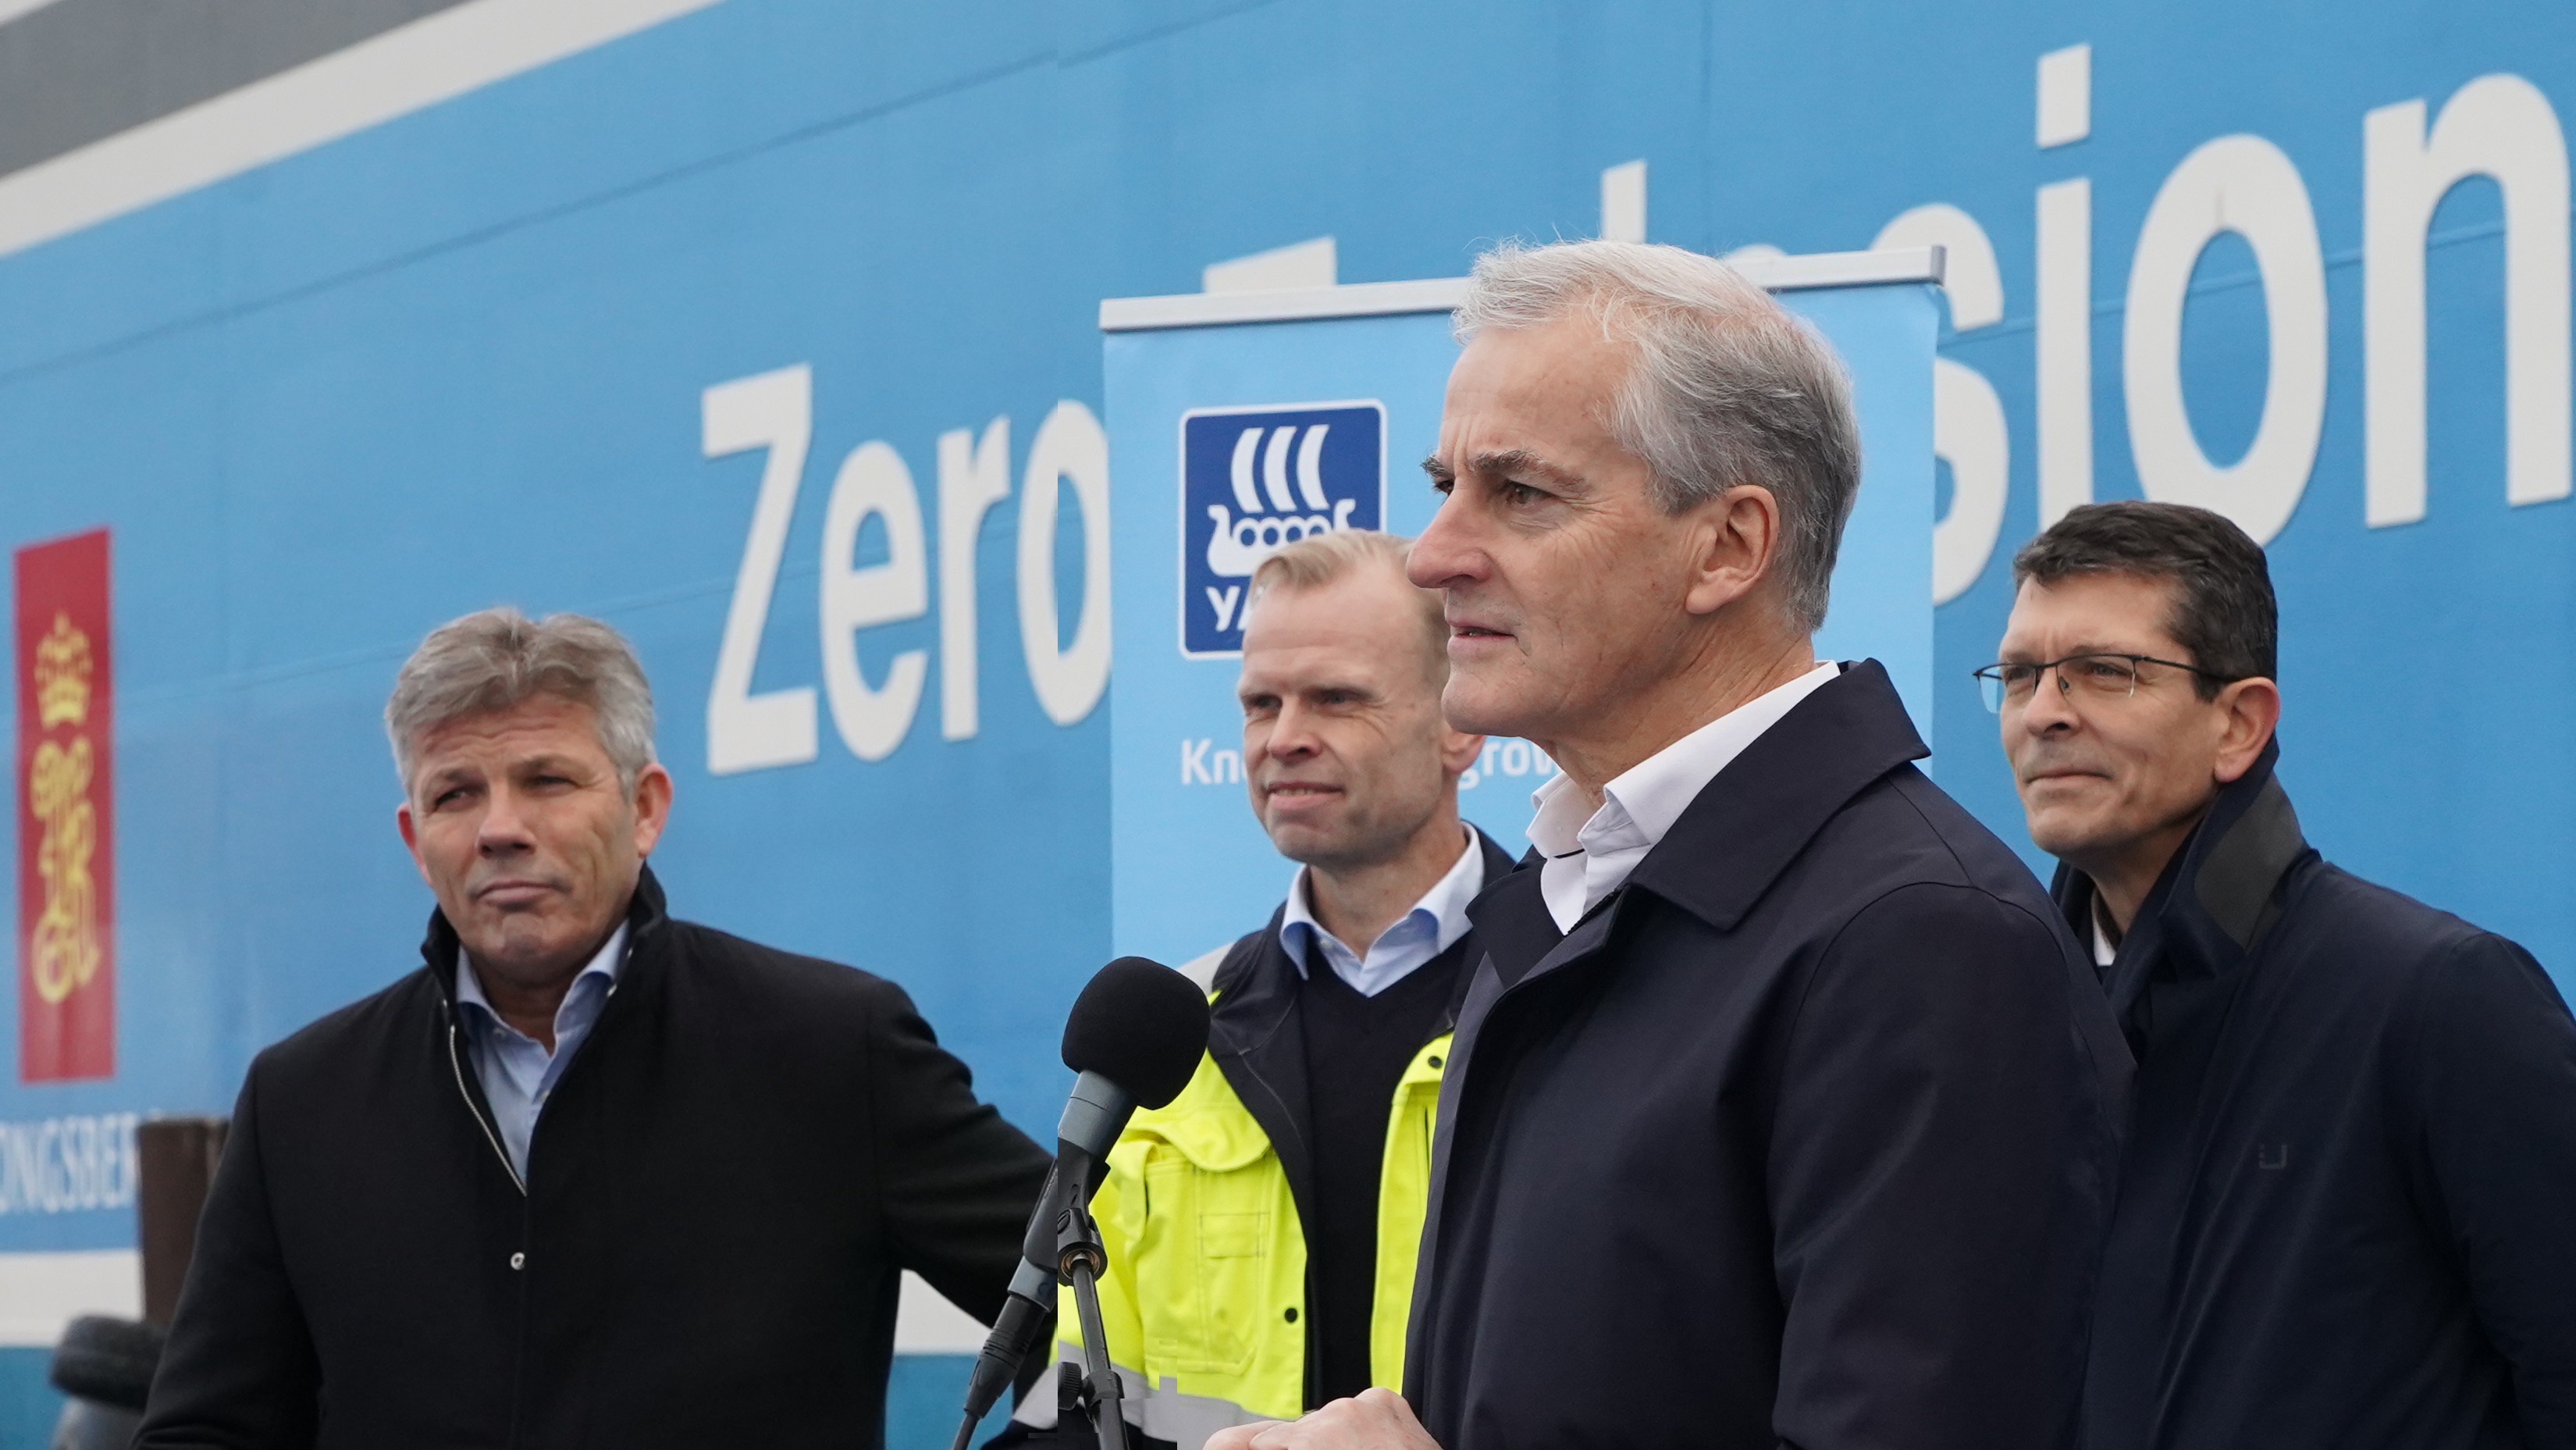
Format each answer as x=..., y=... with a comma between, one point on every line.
x=2223, y=615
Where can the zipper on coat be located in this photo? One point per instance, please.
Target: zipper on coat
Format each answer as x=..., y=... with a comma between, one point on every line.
x=456, y=1064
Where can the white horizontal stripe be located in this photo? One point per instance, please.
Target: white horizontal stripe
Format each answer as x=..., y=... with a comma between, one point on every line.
x=1442, y=294
x=1846, y=269
x=39, y=1293
x=1203, y=309
x=926, y=1323
x=429, y=60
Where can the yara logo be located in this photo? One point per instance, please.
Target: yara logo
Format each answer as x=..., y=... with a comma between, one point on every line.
x=1240, y=544
x=1255, y=480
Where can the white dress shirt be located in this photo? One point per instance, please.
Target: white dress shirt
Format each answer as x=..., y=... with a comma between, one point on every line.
x=516, y=1071
x=1589, y=859
x=1433, y=926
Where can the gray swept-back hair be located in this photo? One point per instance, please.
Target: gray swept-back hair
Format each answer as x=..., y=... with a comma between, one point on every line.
x=496, y=658
x=1728, y=387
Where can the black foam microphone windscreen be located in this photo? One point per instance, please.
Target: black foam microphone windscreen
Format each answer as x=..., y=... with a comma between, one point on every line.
x=1142, y=1026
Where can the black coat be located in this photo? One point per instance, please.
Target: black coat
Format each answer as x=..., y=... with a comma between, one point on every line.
x=2347, y=1213
x=1805, y=1136
x=722, y=1189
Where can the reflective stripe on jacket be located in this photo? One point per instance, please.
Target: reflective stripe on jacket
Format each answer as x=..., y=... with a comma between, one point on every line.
x=1206, y=1289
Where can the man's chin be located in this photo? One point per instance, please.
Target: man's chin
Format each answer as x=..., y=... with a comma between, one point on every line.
x=1480, y=707
x=2067, y=834
x=524, y=951
x=1303, y=843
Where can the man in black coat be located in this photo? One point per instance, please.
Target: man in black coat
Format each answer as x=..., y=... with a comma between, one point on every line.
x=1782, y=1104
x=2347, y=1215
x=1308, y=1124
x=592, y=1176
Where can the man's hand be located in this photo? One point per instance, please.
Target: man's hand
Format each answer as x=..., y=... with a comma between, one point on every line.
x=1377, y=1420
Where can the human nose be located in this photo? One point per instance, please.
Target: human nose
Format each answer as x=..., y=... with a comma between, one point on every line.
x=1442, y=553
x=2051, y=704
x=504, y=827
x=1292, y=736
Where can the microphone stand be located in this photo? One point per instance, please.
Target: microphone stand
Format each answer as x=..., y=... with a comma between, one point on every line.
x=1080, y=1258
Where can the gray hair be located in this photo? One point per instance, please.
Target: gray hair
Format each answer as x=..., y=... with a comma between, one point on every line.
x=1319, y=559
x=1729, y=387
x=493, y=659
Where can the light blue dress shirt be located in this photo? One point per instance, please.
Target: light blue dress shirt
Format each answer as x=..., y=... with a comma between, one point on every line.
x=1433, y=926
x=516, y=1071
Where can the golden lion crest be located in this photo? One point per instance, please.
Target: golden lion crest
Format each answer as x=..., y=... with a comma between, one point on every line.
x=62, y=675
x=63, y=951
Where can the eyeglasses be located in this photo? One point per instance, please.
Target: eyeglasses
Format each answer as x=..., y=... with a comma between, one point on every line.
x=2099, y=677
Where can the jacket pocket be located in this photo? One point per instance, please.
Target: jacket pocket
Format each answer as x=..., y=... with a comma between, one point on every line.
x=1203, y=1284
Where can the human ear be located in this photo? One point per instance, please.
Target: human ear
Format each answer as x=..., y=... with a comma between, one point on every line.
x=652, y=806
x=410, y=837
x=2249, y=711
x=1733, y=537
x=1458, y=750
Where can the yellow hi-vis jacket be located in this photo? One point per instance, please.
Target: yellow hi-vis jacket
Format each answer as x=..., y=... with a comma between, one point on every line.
x=1206, y=1289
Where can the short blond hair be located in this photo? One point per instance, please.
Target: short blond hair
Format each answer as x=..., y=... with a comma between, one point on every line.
x=1319, y=559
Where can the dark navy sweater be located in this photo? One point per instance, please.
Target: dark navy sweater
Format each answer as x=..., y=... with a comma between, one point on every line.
x=2347, y=1213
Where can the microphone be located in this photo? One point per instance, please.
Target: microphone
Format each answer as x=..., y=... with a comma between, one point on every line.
x=1134, y=1036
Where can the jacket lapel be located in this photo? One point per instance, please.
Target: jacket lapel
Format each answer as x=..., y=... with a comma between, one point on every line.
x=1257, y=1036
x=2215, y=898
x=1511, y=924
x=1499, y=867
x=1748, y=824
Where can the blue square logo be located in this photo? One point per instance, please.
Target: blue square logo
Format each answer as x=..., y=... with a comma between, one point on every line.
x=1254, y=480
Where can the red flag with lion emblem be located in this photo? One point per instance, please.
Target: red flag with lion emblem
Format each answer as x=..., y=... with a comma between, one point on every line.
x=66, y=813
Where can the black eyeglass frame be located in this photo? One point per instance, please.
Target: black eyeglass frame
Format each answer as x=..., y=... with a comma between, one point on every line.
x=1993, y=672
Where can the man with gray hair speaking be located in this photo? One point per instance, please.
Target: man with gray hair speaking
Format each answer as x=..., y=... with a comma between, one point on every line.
x=592, y=1176
x=1781, y=1110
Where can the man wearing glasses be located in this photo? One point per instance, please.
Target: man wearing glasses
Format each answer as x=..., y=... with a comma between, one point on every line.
x=2351, y=1164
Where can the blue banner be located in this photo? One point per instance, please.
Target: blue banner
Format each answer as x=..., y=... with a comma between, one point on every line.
x=1191, y=868
x=766, y=329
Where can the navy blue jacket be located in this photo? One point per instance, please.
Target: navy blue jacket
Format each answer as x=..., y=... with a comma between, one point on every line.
x=2348, y=1209
x=1805, y=1135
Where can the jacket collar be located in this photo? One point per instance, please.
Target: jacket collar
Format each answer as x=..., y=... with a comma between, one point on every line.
x=1748, y=823
x=1255, y=1035
x=1257, y=1038
x=645, y=914
x=1256, y=990
x=1735, y=837
x=2216, y=896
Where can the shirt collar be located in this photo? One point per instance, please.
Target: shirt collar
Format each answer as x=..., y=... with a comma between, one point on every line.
x=1444, y=905
x=604, y=965
x=1640, y=805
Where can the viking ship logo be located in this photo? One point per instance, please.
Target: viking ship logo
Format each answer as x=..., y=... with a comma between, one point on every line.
x=1254, y=481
